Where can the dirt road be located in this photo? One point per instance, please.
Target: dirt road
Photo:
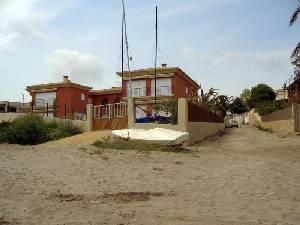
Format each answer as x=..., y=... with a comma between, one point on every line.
x=246, y=177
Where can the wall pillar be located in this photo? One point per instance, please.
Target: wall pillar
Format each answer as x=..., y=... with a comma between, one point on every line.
x=183, y=114
x=89, y=117
x=296, y=117
x=130, y=113
x=6, y=108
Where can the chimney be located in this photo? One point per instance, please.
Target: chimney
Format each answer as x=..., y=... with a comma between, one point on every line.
x=66, y=79
x=164, y=65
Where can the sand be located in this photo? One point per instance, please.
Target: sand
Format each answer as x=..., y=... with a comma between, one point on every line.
x=246, y=177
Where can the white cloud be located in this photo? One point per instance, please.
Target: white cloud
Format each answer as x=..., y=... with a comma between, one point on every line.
x=81, y=68
x=233, y=71
x=23, y=19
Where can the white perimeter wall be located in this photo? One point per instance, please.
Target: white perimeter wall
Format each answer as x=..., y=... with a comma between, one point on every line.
x=6, y=117
x=201, y=130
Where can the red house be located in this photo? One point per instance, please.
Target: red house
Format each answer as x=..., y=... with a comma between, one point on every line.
x=171, y=82
x=68, y=100
x=63, y=100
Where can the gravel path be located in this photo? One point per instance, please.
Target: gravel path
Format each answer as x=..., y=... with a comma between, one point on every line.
x=246, y=177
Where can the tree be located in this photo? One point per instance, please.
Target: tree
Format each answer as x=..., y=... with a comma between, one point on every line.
x=296, y=51
x=238, y=106
x=222, y=103
x=265, y=107
x=261, y=93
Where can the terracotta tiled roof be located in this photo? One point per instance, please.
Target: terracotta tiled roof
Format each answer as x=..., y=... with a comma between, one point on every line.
x=113, y=90
x=40, y=87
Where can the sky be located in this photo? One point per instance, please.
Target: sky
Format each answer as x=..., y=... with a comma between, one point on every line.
x=225, y=44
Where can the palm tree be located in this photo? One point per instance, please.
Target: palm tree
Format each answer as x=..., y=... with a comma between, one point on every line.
x=293, y=20
x=208, y=100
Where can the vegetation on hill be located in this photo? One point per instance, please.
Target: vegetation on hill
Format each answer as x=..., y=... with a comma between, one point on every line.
x=261, y=97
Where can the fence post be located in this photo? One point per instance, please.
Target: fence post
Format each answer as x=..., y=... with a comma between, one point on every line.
x=89, y=117
x=47, y=109
x=295, y=112
x=65, y=111
x=183, y=114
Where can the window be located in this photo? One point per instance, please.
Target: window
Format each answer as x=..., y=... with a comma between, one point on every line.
x=186, y=90
x=82, y=97
x=163, y=87
x=44, y=98
x=117, y=99
x=104, y=101
x=138, y=88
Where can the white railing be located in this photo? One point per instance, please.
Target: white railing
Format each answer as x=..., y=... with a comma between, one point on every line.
x=110, y=110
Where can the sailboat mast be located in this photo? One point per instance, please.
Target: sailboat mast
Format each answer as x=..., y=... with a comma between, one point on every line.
x=127, y=51
x=155, y=66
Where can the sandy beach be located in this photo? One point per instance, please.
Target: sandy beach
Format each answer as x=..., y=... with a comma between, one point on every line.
x=246, y=177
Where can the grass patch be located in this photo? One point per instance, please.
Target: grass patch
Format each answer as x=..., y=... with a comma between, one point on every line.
x=138, y=146
x=269, y=130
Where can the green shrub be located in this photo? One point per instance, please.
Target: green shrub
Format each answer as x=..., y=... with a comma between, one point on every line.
x=3, y=129
x=32, y=129
x=265, y=107
x=67, y=128
x=265, y=129
x=29, y=129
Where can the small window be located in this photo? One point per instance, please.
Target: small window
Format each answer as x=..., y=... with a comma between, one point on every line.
x=82, y=97
x=186, y=90
x=117, y=99
x=104, y=101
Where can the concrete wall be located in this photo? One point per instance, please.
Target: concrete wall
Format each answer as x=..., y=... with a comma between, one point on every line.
x=280, y=125
x=9, y=116
x=255, y=118
x=285, y=120
x=200, y=130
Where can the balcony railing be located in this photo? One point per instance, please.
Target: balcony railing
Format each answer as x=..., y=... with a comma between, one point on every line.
x=110, y=110
x=143, y=92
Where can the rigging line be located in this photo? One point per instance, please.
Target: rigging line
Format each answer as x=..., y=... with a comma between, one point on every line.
x=127, y=53
x=160, y=53
x=152, y=54
x=122, y=51
x=156, y=37
x=118, y=67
